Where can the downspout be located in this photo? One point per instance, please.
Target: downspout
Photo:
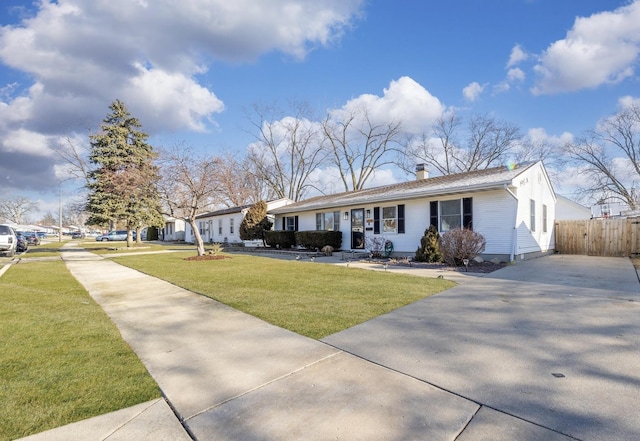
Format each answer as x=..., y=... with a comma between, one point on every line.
x=514, y=238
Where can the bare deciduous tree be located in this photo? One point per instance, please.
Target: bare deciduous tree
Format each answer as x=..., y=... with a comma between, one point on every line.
x=358, y=145
x=609, y=157
x=239, y=184
x=189, y=186
x=75, y=156
x=15, y=209
x=287, y=150
x=489, y=142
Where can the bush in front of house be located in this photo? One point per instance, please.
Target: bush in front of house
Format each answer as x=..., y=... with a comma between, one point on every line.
x=316, y=240
x=280, y=239
x=460, y=244
x=429, y=249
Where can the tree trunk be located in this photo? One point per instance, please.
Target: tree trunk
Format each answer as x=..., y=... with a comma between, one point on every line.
x=129, y=238
x=198, y=238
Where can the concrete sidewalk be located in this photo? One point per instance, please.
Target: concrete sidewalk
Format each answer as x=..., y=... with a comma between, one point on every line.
x=473, y=363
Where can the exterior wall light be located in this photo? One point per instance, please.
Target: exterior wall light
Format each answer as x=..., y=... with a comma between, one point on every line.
x=346, y=215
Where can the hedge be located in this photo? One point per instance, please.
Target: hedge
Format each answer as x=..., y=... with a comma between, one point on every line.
x=280, y=239
x=316, y=240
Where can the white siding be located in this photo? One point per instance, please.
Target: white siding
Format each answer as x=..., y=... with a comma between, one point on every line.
x=533, y=185
x=494, y=216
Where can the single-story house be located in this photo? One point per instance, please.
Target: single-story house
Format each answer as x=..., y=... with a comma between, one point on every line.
x=512, y=207
x=566, y=209
x=174, y=229
x=223, y=225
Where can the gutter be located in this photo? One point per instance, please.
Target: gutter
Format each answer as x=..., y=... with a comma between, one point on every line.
x=514, y=238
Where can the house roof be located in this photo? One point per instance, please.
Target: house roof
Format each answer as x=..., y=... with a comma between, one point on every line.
x=476, y=180
x=223, y=211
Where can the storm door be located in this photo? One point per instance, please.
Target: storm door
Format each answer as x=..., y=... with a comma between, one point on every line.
x=357, y=229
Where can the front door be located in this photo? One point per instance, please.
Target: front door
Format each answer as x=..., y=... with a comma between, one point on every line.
x=357, y=229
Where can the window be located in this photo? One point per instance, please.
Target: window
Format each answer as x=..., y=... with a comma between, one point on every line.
x=328, y=221
x=201, y=228
x=220, y=227
x=544, y=218
x=231, y=221
x=290, y=223
x=450, y=215
x=533, y=215
x=389, y=221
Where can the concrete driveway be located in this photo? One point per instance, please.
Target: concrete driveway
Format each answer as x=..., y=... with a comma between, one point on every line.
x=553, y=341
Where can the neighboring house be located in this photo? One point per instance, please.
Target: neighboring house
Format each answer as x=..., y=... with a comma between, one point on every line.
x=224, y=225
x=513, y=208
x=566, y=209
x=174, y=229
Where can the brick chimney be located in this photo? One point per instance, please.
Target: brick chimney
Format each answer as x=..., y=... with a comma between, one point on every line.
x=422, y=172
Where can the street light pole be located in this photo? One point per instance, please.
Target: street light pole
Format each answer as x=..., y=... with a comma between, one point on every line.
x=60, y=212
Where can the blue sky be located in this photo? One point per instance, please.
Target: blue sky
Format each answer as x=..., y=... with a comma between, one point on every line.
x=190, y=69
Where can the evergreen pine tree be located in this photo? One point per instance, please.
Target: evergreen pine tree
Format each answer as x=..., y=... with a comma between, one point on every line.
x=123, y=184
x=429, y=250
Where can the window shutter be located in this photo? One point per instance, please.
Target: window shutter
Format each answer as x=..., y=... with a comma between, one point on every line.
x=295, y=223
x=401, y=219
x=284, y=223
x=467, y=213
x=376, y=220
x=433, y=211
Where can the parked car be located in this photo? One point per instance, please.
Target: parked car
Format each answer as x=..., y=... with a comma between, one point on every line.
x=114, y=235
x=8, y=240
x=77, y=235
x=22, y=245
x=32, y=237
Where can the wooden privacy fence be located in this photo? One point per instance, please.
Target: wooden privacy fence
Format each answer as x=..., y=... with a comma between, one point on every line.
x=599, y=237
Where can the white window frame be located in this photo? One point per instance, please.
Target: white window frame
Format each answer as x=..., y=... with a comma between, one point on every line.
x=459, y=214
x=290, y=223
x=220, y=227
x=389, y=220
x=321, y=221
x=532, y=215
x=231, y=225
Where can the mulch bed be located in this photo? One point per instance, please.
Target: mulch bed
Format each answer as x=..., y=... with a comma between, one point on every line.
x=208, y=257
x=474, y=267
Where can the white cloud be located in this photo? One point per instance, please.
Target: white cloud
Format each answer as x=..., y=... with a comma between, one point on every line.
x=517, y=56
x=599, y=49
x=404, y=100
x=83, y=54
x=473, y=91
x=515, y=74
x=539, y=135
x=629, y=101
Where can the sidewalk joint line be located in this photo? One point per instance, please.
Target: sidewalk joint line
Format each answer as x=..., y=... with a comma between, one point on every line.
x=456, y=393
x=340, y=351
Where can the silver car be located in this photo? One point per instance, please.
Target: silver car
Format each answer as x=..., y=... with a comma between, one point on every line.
x=113, y=235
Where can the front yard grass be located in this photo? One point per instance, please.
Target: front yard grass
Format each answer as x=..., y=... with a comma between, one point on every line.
x=61, y=358
x=312, y=299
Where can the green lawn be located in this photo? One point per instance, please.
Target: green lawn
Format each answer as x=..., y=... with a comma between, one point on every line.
x=61, y=358
x=312, y=299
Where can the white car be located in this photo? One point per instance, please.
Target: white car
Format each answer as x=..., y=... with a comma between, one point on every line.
x=8, y=240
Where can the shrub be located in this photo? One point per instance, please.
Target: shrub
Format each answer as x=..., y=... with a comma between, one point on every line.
x=327, y=250
x=316, y=239
x=280, y=239
x=216, y=249
x=255, y=222
x=429, y=250
x=375, y=245
x=460, y=244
